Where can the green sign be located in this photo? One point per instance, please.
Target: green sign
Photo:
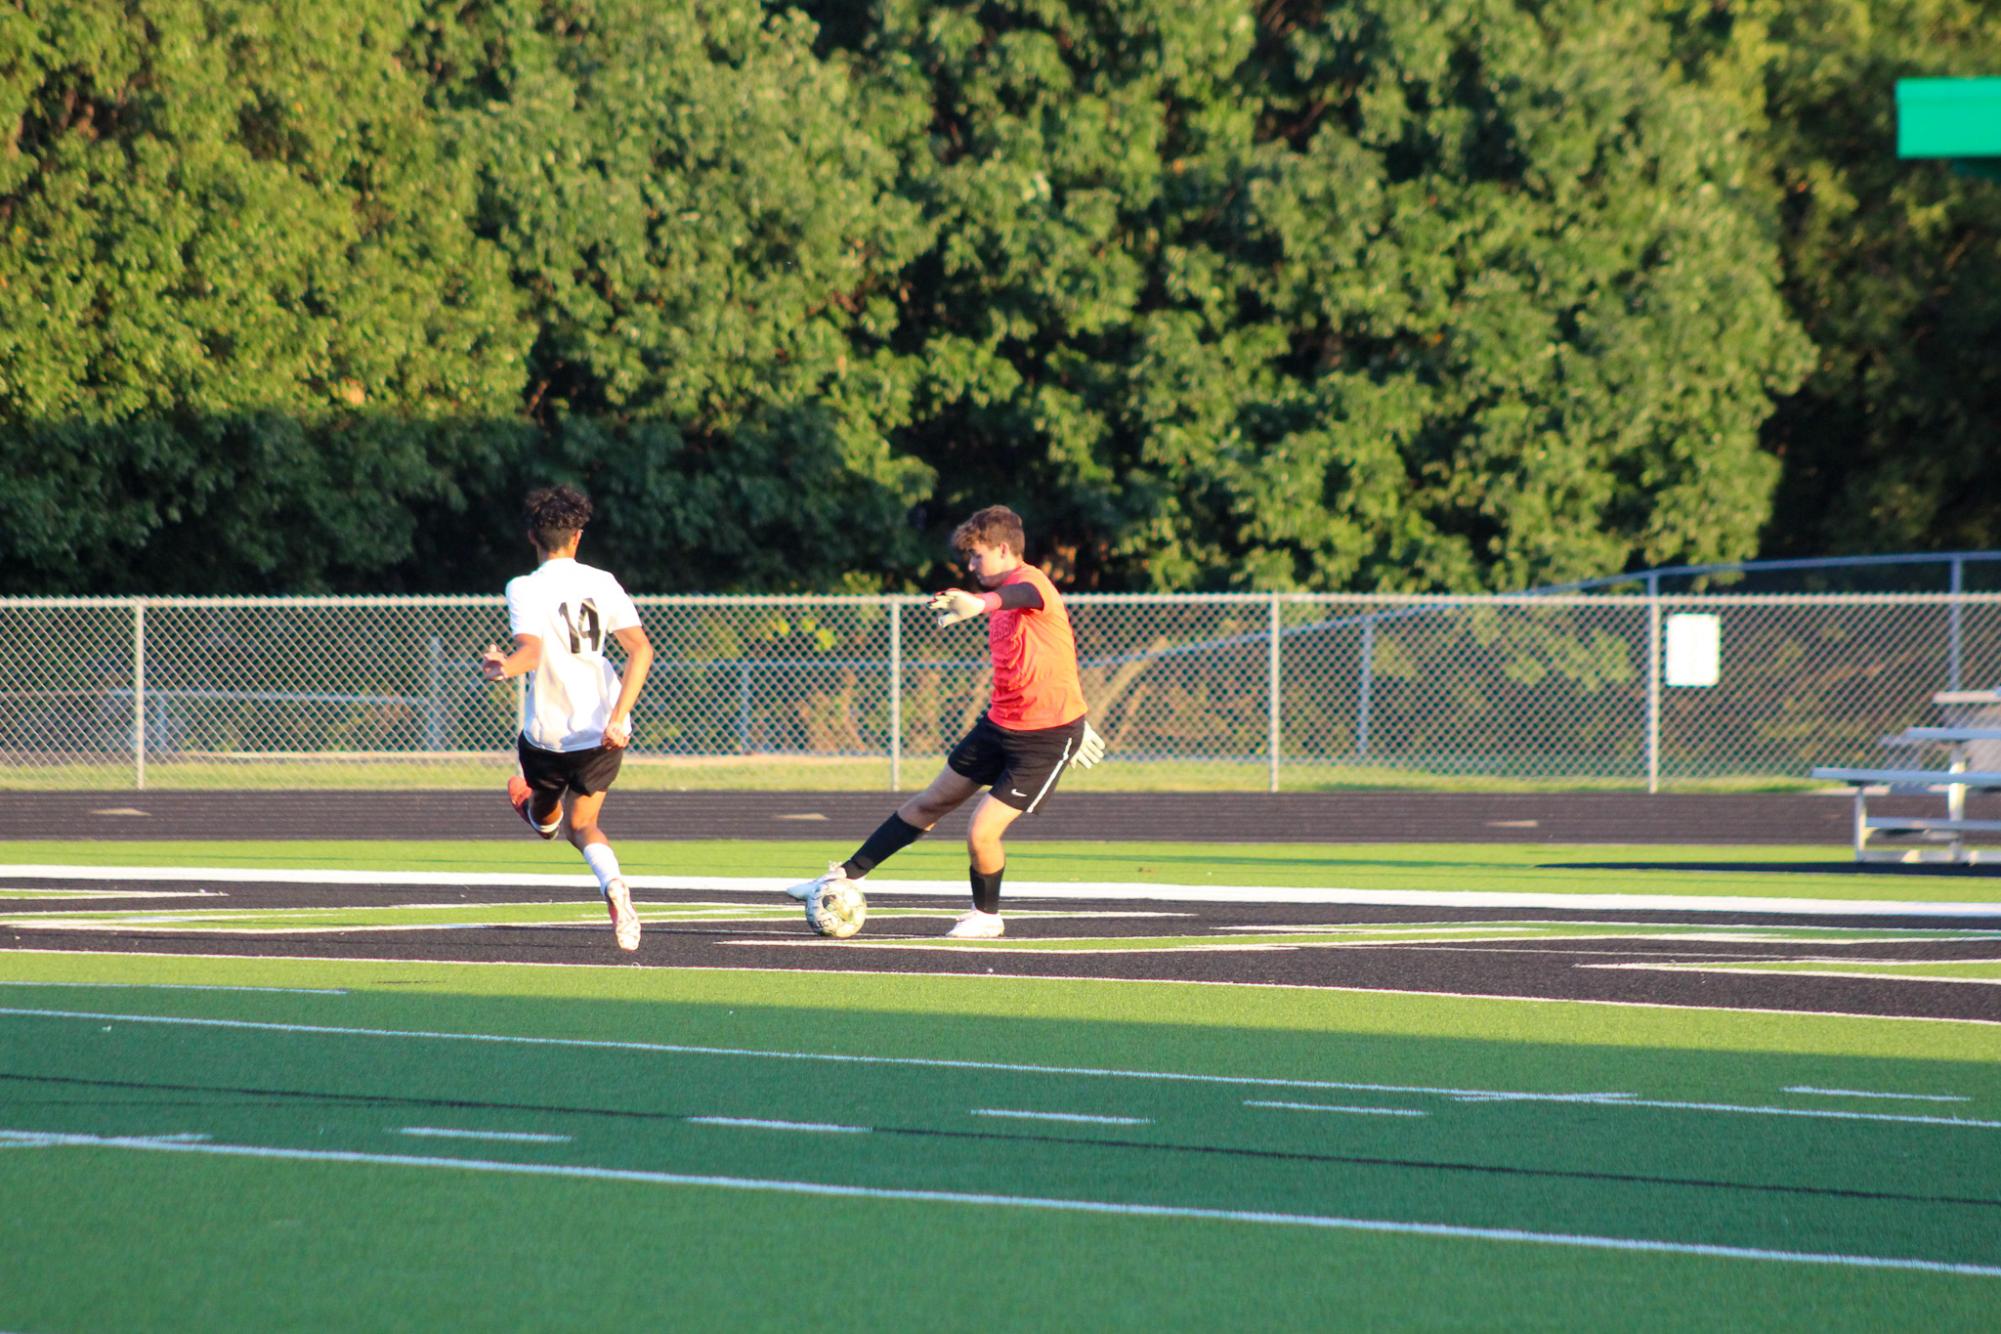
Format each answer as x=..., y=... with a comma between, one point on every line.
x=1950, y=118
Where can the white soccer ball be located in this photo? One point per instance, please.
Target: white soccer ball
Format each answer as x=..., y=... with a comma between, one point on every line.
x=836, y=908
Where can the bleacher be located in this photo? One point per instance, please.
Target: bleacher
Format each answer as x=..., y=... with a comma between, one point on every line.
x=1970, y=744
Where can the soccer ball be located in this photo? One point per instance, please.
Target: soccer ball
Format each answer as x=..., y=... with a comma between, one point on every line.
x=836, y=908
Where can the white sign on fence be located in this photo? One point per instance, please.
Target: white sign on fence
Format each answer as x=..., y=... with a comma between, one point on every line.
x=1694, y=649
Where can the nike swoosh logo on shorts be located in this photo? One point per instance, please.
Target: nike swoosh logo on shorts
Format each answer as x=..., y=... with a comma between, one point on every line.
x=1016, y=792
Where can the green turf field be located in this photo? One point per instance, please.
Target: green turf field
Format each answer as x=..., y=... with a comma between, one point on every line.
x=681, y=1122
x=250, y=1143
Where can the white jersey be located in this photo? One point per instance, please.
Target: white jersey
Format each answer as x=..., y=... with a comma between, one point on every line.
x=574, y=609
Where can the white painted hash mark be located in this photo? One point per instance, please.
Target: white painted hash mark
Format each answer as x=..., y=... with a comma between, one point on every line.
x=1861, y=1093
x=1009, y=1067
x=180, y=986
x=1063, y=1116
x=1326, y=1107
x=510, y=1136
x=1396, y=1227
x=756, y=1123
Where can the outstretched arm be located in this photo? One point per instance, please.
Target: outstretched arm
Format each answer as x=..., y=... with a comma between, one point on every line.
x=956, y=604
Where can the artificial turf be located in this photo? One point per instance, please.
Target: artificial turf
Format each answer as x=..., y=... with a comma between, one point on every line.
x=1768, y=1135
x=1281, y=1210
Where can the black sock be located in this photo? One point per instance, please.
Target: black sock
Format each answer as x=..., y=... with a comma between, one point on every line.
x=986, y=888
x=891, y=836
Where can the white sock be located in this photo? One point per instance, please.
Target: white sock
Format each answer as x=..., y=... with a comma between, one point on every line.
x=603, y=863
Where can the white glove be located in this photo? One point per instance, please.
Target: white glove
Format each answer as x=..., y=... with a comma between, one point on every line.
x=955, y=605
x=1090, y=750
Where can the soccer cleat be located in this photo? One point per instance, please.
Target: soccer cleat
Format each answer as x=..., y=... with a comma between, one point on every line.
x=624, y=921
x=977, y=925
x=520, y=795
x=804, y=889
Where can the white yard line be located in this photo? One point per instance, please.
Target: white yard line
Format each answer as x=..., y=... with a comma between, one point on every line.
x=1814, y=1113
x=956, y=889
x=1862, y=1093
x=838, y=1058
x=250, y=927
x=936, y=1063
x=1325, y=1107
x=1859, y=1093
x=1833, y=968
x=929, y=1063
x=1062, y=1116
x=508, y=1136
x=83, y=895
x=754, y=1123
x=182, y=986
x=1539, y=1097
x=1109, y=1208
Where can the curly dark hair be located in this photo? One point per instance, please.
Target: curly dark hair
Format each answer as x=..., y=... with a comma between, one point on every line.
x=994, y=526
x=555, y=514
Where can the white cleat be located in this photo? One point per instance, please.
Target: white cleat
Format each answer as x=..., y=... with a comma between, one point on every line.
x=977, y=925
x=624, y=921
x=804, y=889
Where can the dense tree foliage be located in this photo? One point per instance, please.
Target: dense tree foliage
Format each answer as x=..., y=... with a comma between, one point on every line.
x=702, y=229
x=243, y=327
x=1377, y=294
x=1894, y=267
x=1386, y=295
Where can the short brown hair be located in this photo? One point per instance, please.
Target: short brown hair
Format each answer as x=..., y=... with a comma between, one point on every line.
x=554, y=514
x=994, y=526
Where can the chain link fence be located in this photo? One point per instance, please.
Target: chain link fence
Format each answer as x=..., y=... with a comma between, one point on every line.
x=1237, y=692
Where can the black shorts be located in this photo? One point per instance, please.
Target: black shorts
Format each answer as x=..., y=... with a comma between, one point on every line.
x=1020, y=767
x=554, y=772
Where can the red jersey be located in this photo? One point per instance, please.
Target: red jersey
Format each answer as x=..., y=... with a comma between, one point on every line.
x=1035, y=660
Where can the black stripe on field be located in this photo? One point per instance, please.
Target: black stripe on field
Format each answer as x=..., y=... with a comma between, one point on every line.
x=1217, y=1150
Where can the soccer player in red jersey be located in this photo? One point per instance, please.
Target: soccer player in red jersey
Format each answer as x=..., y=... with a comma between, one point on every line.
x=1032, y=730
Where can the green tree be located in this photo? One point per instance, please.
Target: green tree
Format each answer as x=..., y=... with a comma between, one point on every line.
x=1468, y=293
x=707, y=241
x=1471, y=293
x=1894, y=268
x=242, y=327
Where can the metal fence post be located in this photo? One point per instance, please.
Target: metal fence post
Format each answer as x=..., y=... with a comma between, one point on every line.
x=1367, y=673
x=895, y=695
x=1955, y=647
x=139, y=694
x=1653, y=683
x=434, y=697
x=743, y=707
x=1271, y=685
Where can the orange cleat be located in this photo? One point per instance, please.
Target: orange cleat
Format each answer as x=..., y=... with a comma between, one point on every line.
x=520, y=795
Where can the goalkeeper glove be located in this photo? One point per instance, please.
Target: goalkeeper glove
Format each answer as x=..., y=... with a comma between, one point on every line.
x=955, y=605
x=1091, y=749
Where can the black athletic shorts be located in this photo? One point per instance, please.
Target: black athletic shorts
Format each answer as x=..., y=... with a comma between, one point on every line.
x=1021, y=767
x=554, y=772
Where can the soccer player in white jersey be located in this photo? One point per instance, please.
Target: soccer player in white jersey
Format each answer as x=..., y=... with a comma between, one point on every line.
x=579, y=711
